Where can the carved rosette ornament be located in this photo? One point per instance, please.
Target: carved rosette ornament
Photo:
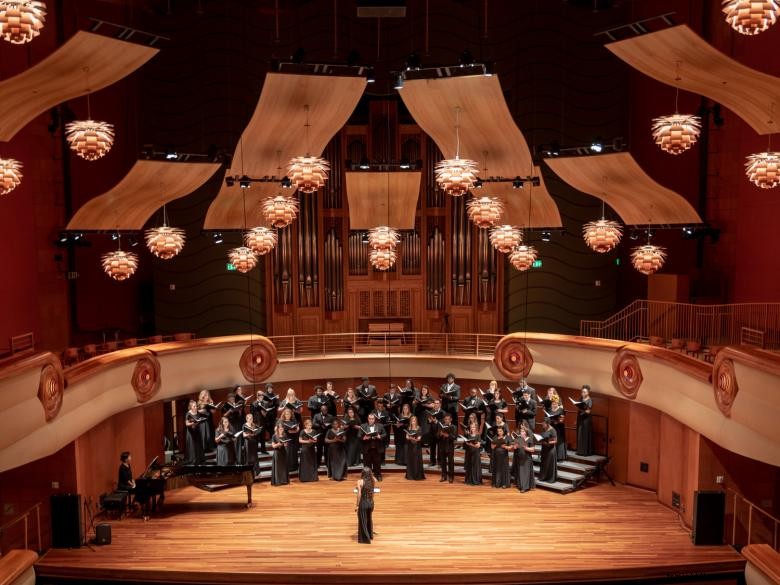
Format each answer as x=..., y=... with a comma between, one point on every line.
x=512, y=358
x=626, y=374
x=259, y=360
x=50, y=389
x=724, y=384
x=146, y=378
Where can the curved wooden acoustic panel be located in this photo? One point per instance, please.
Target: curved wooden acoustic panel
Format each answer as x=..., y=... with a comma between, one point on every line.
x=227, y=210
x=369, y=193
x=276, y=133
x=531, y=207
x=148, y=185
x=619, y=180
x=750, y=94
x=86, y=63
x=488, y=133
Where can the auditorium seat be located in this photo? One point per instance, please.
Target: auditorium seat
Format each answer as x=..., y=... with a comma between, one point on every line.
x=183, y=336
x=110, y=346
x=90, y=350
x=657, y=341
x=676, y=344
x=156, y=339
x=692, y=347
x=131, y=342
x=70, y=356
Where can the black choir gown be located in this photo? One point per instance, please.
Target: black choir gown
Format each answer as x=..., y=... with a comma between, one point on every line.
x=365, y=513
x=226, y=450
x=472, y=463
x=548, y=468
x=400, y=443
x=584, y=431
x=523, y=466
x=500, y=456
x=194, y=447
x=207, y=429
x=293, y=446
x=307, y=470
x=413, y=457
x=337, y=457
x=353, y=442
x=425, y=427
x=250, y=445
x=279, y=473
x=559, y=425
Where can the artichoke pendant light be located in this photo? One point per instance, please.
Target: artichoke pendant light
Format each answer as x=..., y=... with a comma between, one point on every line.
x=260, y=240
x=602, y=235
x=505, y=238
x=165, y=242
x=676, y=132
x=279, y=211
x=10, y=175
x=456, y=176
x=484, y=212
x=763, y=168
x=523, y=257
x=307, y=173
x=648, y=259
x=119, y=265
x=750, y=17
x=242, y=258
x=90, y=139
x=382, y=259
x=383, y=238
x=21, y=20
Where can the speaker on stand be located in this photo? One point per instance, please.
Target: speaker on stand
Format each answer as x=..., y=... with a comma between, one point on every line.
x=67, y=529
x=709, y=514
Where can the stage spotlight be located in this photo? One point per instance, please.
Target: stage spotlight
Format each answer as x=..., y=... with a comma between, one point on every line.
x=114, y=237
x=286, y=183
x=633, y=235
x=405, y=164
x=77, y=236
x=171, y=154
x=546, y=236
x=370, y=75
x=230, y=180
x=412, y=62
x=133, y=241
x=555, y=148
x=217, y=237
x=244, y=182
x=517, y=183
x=466, y=58
x=478, y=184
x=597, y=145
x=63, y=238
x=364, y=164
x=688, y=231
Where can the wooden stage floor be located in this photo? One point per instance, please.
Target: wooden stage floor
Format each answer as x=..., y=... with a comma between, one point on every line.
x=428, y=532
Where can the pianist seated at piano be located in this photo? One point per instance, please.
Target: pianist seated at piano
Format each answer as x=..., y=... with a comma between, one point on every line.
x=125, y=481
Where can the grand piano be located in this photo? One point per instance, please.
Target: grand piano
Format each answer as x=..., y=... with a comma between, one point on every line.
x=158, y=478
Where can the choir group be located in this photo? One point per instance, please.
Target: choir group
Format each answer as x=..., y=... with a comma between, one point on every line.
x=420, y=423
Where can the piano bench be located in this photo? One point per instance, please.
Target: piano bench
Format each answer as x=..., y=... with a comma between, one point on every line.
x=117, y=501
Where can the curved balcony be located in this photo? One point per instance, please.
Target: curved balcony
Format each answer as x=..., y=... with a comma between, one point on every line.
x=733, y=402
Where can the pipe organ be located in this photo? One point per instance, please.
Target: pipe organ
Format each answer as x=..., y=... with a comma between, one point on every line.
x=447, y=276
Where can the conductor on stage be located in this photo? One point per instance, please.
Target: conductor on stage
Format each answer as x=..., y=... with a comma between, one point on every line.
x=372, y=437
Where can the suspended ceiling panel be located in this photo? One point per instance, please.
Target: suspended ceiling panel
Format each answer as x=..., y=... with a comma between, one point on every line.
x=227, y=211
x=527, y=207
x=488, y=133
x=142, y=191
x=87, y=62
x=382, y=199
x=625, y=187
x=704, y=70
x=276, y=132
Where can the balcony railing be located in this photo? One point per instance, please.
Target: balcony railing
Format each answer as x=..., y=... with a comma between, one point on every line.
x=16, y=533
x=749, y=523
x=709, y=325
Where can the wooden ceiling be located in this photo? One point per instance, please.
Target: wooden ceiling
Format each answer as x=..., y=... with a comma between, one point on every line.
x=276, y=133
x=704, y=70
x=86, y=63
x=229, y=212
x=370, y=193
x=520, y=203
x=618, y=179
x=488, y=133
x=141, y=192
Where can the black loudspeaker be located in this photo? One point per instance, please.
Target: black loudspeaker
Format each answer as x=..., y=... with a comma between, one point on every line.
x=66, y=524
x=103, y=534
x=709, y=511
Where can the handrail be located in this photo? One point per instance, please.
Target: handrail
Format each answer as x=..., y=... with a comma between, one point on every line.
x=751, y=507
x=24, y=517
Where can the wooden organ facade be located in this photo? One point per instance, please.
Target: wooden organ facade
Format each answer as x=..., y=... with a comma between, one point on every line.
x=447, y=276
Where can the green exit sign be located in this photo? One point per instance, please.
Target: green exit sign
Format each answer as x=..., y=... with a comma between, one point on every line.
x=537, y=264
x=230, y=267
x=617, y=261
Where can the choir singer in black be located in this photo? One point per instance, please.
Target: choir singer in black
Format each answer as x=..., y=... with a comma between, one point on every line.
x=448, y=432
x=372, y=435
x=449, y=394
x=584, y=429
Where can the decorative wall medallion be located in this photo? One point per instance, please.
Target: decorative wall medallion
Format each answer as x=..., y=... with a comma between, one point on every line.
x=146, y=378
x=512, y=358
x=626, y=373
x=259, y=360
x=50, y=389
x=724, y=383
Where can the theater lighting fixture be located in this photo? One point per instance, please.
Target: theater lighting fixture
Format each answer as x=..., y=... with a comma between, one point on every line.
x=517, y=183
x=90, y=139
x=382, y=259
x=279, y=211
x=242, y=258
x=10, y=175
x=484, y=212
x=307, y=173
x=260, y=240
x=119, y=265
x=648, y=259
x=165, y=242
x=546, y=236
x=21, y=20
x=505, y=238
x=523, y=257
x=456, y=176
x=383, y=238
x=763, y=169
x=677, y=132
x=602, y=235
x=597, y=145
x=750, y=17
x=218, y=239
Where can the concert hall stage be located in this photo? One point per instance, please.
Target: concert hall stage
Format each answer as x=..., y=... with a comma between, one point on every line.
x=428, y=532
